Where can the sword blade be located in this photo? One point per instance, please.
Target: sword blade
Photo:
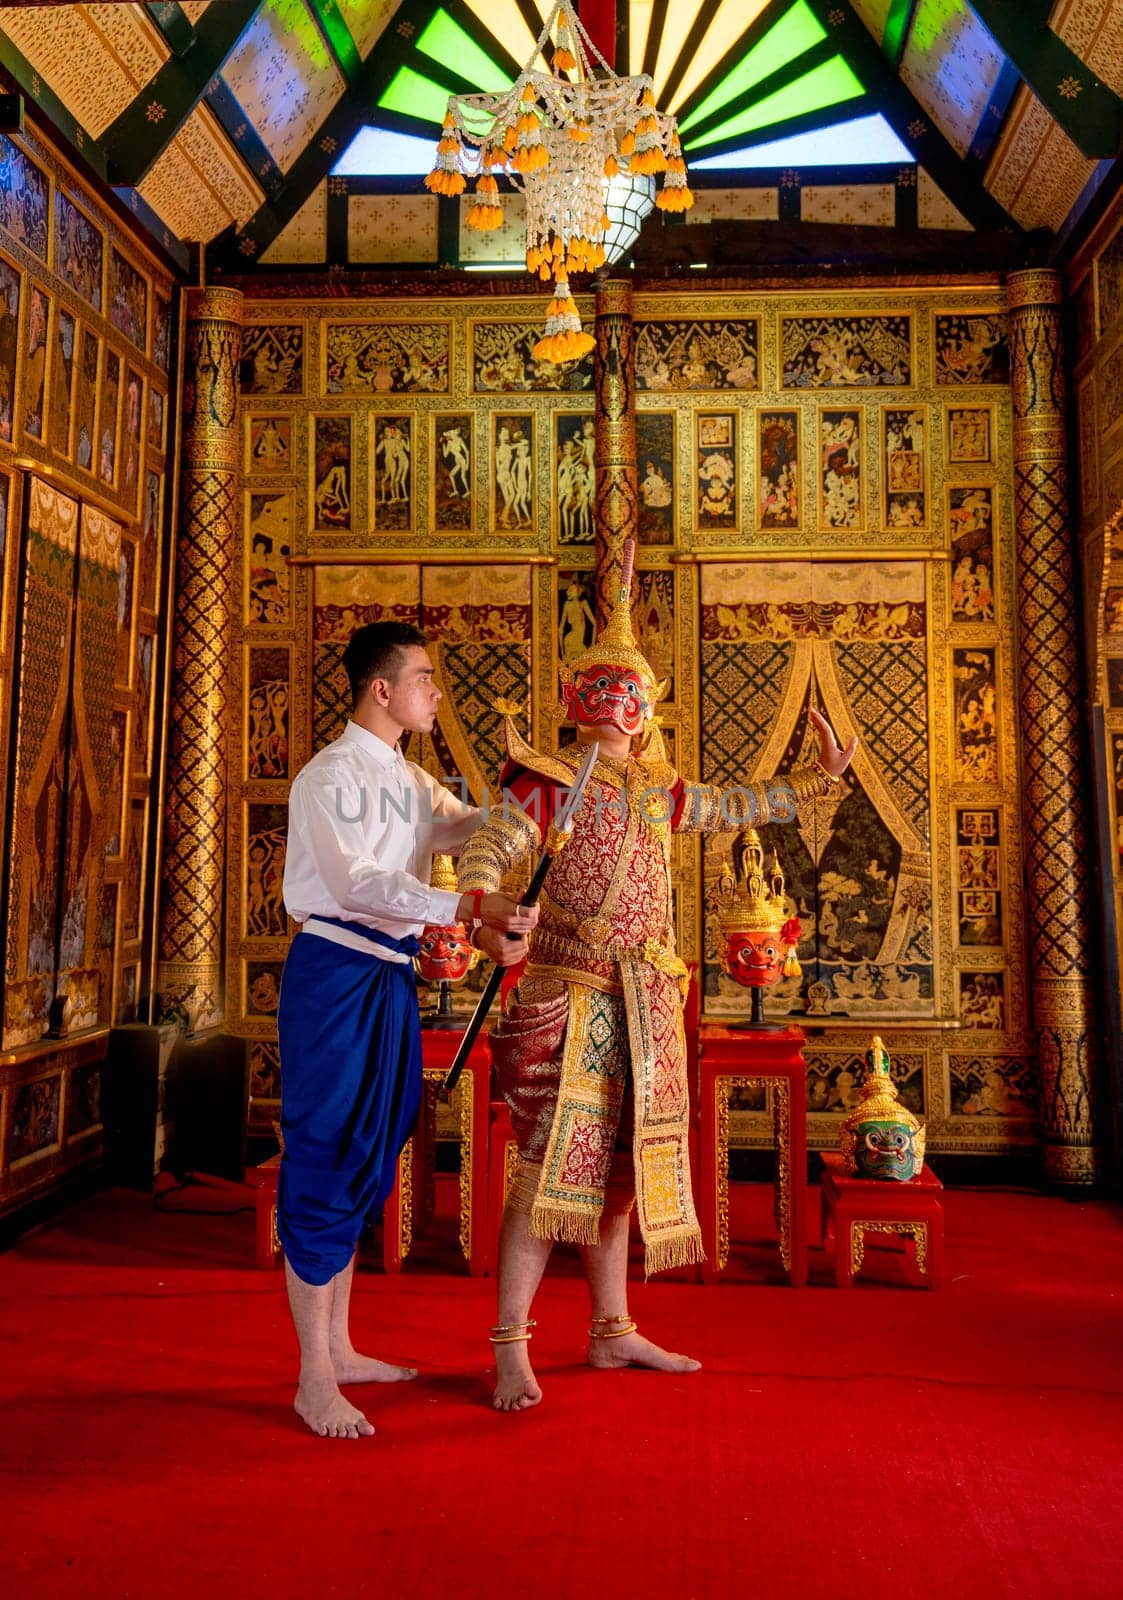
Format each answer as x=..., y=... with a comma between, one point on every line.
x=577, y=788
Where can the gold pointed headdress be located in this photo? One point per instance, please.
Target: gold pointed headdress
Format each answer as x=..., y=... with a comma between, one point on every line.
x=615, y=645
x=746, y=899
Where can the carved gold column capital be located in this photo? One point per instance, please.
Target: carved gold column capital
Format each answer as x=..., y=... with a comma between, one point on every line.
x=1036, y=286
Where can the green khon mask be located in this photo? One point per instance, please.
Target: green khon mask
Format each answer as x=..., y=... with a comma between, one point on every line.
x=881, y=1138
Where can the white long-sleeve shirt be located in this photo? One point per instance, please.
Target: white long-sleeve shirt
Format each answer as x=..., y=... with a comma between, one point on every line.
x=364, y=825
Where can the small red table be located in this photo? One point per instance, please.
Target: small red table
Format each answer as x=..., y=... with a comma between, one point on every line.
x=853, y=1207
x=409, y=1203
x=472, y=1099
x=401, y=1210
x=734, y=1059
x=503, y=1161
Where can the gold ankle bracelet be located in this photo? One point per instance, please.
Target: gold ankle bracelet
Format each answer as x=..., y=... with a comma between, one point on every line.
x=511, y=1332
x=604, y=1327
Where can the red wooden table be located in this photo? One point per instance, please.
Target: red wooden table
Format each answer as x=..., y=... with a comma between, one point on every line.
x=407, y=1207
x=853, y=1207
x=731, y=1059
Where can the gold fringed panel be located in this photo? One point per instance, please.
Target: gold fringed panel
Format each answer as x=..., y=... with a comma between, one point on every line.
x=190, y=952
x=345, y=598
x=849, y=637
x=1058, y=858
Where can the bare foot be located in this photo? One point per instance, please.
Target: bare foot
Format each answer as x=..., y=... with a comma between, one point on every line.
x=516, y=1387
x=351, y=1367
x=633, y=1350
x=327, y=1413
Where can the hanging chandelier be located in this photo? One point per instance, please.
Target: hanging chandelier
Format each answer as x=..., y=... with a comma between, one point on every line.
x=560, y=135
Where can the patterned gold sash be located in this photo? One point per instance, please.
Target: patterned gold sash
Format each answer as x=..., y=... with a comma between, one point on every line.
x=599, y=1042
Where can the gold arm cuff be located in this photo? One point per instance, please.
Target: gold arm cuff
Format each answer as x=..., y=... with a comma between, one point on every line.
x=810, y=781
x=710, y=809
x=495, y=847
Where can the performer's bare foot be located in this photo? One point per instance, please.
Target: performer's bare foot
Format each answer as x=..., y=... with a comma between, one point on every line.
x=351, y=1367
x=633, y=1350
x=319, y=1403
x=516, y=1387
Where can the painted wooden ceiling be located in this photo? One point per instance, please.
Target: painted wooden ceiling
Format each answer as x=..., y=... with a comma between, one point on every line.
x=223, y=122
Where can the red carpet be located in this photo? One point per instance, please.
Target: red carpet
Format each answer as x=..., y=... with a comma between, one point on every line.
x=878, y=1442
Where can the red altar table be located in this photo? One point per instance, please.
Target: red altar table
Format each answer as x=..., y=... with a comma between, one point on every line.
x=398, y=1217
x=409, y=1203
x=472, y=1097
x=853, y=1207
x=770, y=1058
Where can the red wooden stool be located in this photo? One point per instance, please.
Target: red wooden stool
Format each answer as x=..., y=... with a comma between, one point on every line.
x=472, y=1099
x=853, y=1207
x=730, y=1060
x=399, y=1215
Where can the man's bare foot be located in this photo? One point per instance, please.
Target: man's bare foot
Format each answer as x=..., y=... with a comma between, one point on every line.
x=351, y=1367
x=327, y=1413
x=633, y=1350
x=516, y=1387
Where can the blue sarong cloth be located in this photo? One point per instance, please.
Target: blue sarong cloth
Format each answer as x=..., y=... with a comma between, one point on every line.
x=350, y=1041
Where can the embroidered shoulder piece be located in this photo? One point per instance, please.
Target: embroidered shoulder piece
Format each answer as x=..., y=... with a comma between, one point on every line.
x=560, y=767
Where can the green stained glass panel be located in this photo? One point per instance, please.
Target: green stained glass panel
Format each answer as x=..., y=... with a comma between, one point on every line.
x=446, y=41
x=411, y=95
x=827, y=85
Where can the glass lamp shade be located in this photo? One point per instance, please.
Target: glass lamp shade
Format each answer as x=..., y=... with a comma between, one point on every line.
x=628, y=200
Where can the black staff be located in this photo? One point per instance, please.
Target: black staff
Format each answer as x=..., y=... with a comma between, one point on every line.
x=556, y=837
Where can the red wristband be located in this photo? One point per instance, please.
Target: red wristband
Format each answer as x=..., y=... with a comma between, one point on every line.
x=477, y=896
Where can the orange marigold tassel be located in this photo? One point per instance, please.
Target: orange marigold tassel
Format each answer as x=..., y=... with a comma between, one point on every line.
x=487, y=213
x=563, y=339
x=564, y=58
x=675, y=195
x=791, y=933
x=446, y=178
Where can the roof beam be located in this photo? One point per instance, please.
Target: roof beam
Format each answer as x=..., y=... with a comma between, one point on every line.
x=173, y=23
x=140, y=135
x=990, y=123
x=236, y=251
x=1088, y=111
x=898, y=26
x=337, y=36
x=909, y=120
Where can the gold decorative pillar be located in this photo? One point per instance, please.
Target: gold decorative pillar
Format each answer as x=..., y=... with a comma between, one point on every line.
x=1056, y=801
x=192, y=906
x=616, y=503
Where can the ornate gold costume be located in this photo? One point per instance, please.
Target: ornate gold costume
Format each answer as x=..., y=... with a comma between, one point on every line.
x=594, y=1030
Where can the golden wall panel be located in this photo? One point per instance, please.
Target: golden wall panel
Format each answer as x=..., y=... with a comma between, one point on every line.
x=85, y=424
x=750, y=608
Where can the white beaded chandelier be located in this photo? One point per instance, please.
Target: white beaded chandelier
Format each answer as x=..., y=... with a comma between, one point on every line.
x=560, y=135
